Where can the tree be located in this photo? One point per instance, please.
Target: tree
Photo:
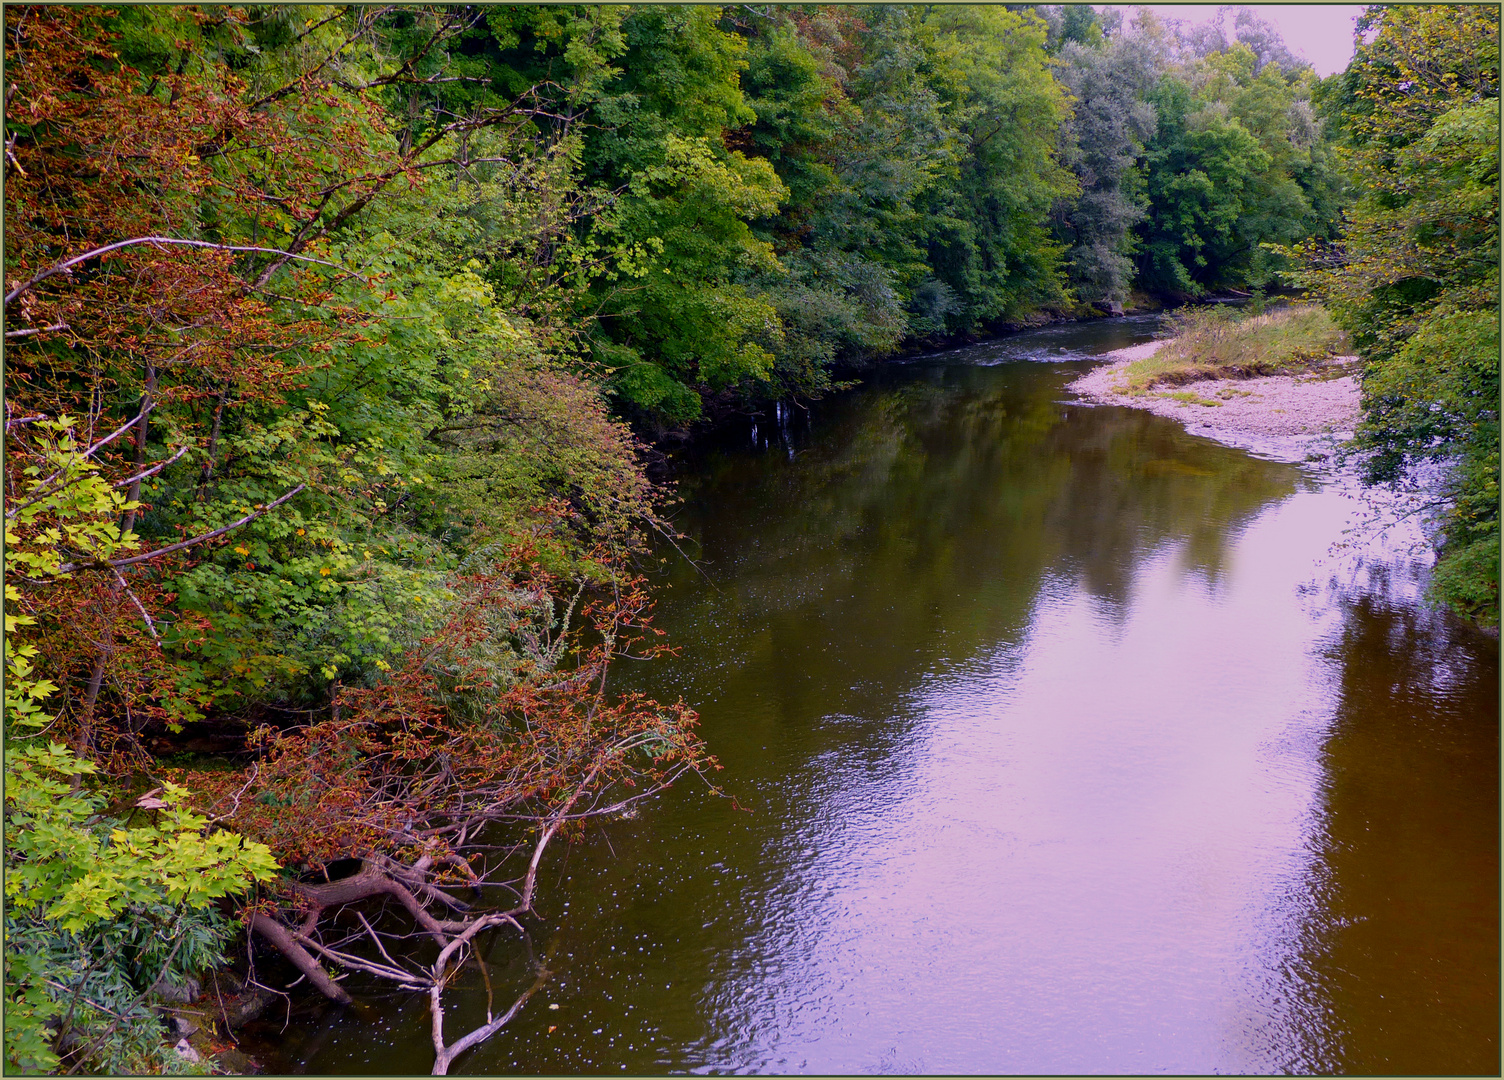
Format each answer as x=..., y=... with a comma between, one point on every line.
x=672, y=321
x=498, y=729
x=101, y=912
x=1415, y=278
x=835, y=303
x=989, y=241
x=282, y=444
x=1257, y=35
x=1104, y=139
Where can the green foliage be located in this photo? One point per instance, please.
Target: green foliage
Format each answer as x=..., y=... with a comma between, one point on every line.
x=1437, y=396
x=58, y=869
x=1239, y=162
x=678, y=236
x=98, y=912
x=1103, y=141
x=988, y=237
x=1205, y=171
x=63, y=507
x=1416, y=280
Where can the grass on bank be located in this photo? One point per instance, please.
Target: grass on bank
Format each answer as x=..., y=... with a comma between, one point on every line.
x=1220, y=343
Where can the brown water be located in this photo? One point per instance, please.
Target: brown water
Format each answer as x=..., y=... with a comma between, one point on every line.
x=1059, y=741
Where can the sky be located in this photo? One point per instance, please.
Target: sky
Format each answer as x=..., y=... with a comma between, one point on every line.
x=1322, y=33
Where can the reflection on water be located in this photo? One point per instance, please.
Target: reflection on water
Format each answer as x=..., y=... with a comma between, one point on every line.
x=1059, y=741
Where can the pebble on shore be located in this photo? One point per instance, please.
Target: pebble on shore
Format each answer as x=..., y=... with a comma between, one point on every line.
x=1268, y=406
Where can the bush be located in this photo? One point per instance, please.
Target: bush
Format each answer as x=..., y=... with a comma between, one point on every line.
x=100, y=911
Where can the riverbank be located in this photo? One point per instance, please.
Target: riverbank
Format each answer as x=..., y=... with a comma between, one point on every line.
x=1284, y=412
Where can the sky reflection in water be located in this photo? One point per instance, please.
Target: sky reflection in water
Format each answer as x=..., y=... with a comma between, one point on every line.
x=1060, y=741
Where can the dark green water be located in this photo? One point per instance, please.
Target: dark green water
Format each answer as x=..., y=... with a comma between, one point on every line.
x=1059, y=741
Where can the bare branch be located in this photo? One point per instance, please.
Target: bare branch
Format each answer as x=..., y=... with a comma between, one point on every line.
x=445, y=1056
x=48, y=487
x=158, y=467
x=376, y=938
x=94, y=253
x=291, y=948
x=345, y=959
x=68, y=568
x=150, y=626
x=121, y=430
x=37, y=330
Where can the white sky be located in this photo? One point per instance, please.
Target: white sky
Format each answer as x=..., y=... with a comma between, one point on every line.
x=1322, y=33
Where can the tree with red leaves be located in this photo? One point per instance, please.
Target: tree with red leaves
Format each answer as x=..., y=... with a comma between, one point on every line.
x=427, y=802
x=279, y=462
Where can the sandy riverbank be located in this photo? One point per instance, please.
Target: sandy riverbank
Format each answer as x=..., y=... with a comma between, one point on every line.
x=1293, y=410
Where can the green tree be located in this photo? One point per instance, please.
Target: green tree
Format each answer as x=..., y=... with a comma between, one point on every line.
x=990, y=241
x=673, y=317
x=1199, y=164
x=1240, y=162
x=1103, y=142
x=1415, y=279
x=835, y=303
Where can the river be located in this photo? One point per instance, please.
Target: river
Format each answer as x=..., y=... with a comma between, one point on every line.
x=1055, y=740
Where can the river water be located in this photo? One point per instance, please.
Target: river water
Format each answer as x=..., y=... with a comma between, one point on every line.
x=1055, y=740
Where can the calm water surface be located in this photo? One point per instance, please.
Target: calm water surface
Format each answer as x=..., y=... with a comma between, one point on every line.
x=1057, y=740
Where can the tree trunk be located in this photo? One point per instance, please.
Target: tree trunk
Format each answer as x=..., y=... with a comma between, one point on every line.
x=301, y=958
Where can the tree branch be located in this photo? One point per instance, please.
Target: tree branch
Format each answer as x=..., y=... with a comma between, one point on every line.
x=94, y=253
x=68, y=568
x=288, y=946
x=445, y=1056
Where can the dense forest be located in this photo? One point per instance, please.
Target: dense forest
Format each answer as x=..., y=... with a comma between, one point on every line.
x=338, y=341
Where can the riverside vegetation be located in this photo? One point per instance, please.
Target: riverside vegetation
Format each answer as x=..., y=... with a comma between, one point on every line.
x=1216, y=344
x=336, y=336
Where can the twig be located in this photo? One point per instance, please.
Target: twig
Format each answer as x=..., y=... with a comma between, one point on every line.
x=37, y=330
x=235, y=805
x=46, y=488
x=223, y=1012
x=158, y=467
x=396, y=975
x=485, y=973
x=376, y=938
x=151, y=627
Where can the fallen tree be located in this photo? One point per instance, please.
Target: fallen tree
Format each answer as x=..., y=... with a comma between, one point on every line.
x=426, y=796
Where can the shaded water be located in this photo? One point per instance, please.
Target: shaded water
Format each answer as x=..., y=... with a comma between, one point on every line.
x=1059, y=740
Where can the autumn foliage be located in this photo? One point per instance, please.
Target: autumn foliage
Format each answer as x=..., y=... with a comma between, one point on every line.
x=281, y=467
x=397, y=769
